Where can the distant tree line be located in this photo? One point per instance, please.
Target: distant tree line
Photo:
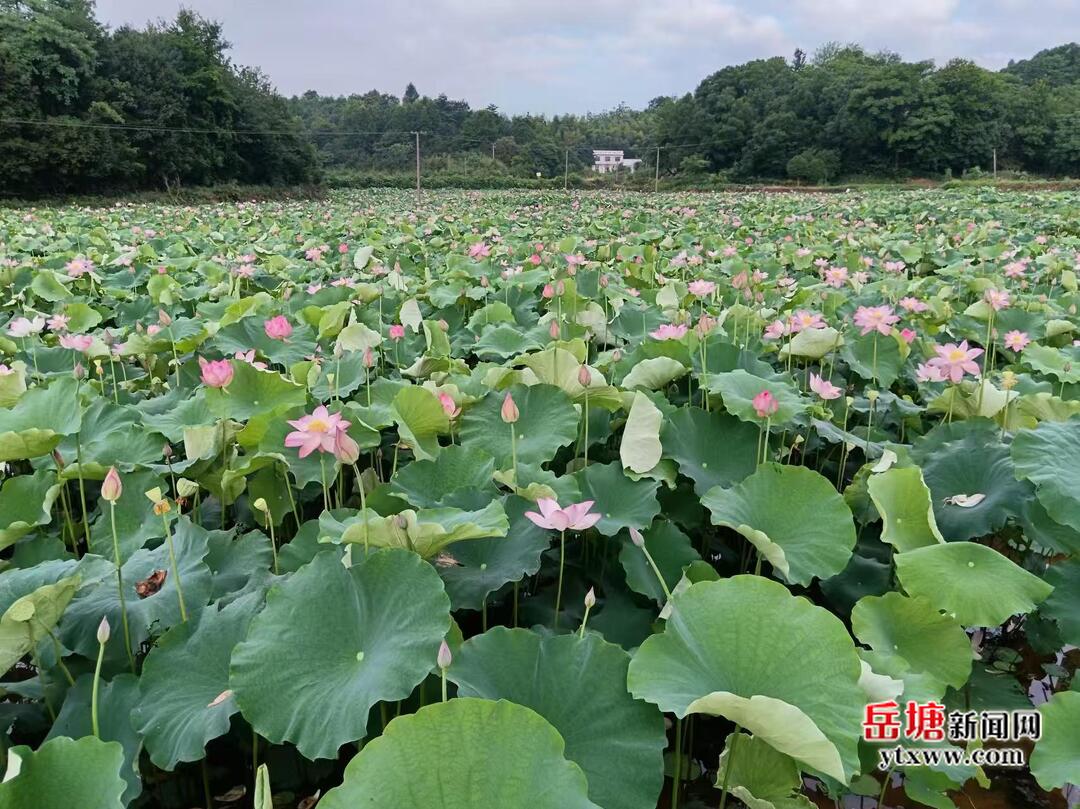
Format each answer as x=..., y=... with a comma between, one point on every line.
x=73, y=80
x=163, y=107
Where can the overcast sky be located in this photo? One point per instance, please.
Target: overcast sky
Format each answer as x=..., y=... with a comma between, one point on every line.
x=552, y=56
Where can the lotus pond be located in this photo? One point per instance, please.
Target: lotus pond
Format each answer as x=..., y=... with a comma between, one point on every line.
x=539, y=500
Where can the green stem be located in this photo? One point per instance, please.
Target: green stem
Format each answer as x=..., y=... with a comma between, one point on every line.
x=586, y=442
x=558, y=592
x=175, y=569
x=442, y=675
x=273, y=541
x=885, y=787
x=82, y=491
x=120, y=586
x=656, y=570
x=513, y=455
x=322, y=474
x=727, y=767
x=363, y=506
x=94, y=691
x=676, y=774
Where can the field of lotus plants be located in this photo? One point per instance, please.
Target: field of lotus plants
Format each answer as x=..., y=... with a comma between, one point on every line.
x=544, y=501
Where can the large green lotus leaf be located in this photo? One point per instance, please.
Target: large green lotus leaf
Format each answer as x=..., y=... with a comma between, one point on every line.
x=875, y=355
x=26, y=501
x=813, y=343
x=12, y=383
x=185, y=700
x=971, y=582
x=116, y=699
x=177, y=411
x=793, y=516
x=670, y=549
x=622, y=502
x=420, y=420
x=616, y=740
x=253, y=391
x=136, y=522
x=478, y=567
x=654, y=373
x=1054, y=761
x=504, y=341
x=759, y=776
x=473, y=754
x=640, y=448
x=1062, y=364
x=55, y=408
x=110, y=436
x=559, y=367
x=18, y=582
x=895, y=625
x=428, y=530
x=32, y=617
x=712, y=449
x=1063, y=605
x=340, y=640
x=29, y=443
x=157, y=611
x=738, y=388
x=970, y=460
x=547, y=421
x=425, y=483
x=737, y=648
x=902, y=499
x=249, y=333
x=1049, y=456
x=62, y=771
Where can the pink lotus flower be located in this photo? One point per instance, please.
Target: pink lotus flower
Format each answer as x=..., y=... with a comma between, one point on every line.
x=803, y=319
x=908, y=335
x=823, y=387
x=765, y=404
x=1016, y=340
x=953, y=361
x=76, y=342
x=322, y=431
x=775, y=330
x=997, y=298
x=576, y=517
x=216, y=373
x=701, y=288
x=575, y=259
x=24, y=327
x=548, y=291
x=449, y=406
x=278, y=328
x=910, y=304
x=249, y=358
x=480, y=250
x=397, y=332
x=78, y=267
x=875, y=318
x=535, y=259
x=928, y=373
x=836, y=276
x=313, y=254
x=244, y=271
x=509, y=411
x=669, y=332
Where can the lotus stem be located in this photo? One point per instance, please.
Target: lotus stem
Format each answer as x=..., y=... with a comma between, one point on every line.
x=175, y=569
x=727, y=767
x=558, y=591
x=82, y=490
x=513, y=454
x=656, y=571
x=676, y=772
x=322, y=474
x=120, y=586
x=94, y=691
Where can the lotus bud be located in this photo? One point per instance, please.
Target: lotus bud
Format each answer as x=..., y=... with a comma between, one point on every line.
x=369, y=358
x=590, y=599
x=554, y=330
x=637, y=538
x=79, y=371
x=260, y=505
x=103, y=631
x=443, y=325
x=112, y=488
x=509, y=411
x=186, y=488
x=616, y=355
x=484, y=281
x=444, y=657
x=560, y=288
x=872, y=395
x=584, y=378
x=163, y=318
x=167, y=450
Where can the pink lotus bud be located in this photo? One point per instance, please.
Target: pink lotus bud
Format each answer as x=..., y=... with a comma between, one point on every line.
x=590, y=599
x=163, y=318
x=216, y=373
x=103, y=631
x=112, y=488
x=560, y=288
x=278, y=328
x=369, y=358
x=548, y=291
x=444, y=657
x=443, y=325
x=554, y=330
x=603, y=281
x=584, y=378
x=79, y=371
x=509, y=411
x=637, y=538
x=765, y=404
x=616, y=355
x=484, y=282
x=397, y=332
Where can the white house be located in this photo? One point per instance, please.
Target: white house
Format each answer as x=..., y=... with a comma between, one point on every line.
x=605, y=160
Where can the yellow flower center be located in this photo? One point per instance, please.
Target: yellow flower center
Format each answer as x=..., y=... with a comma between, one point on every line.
x=318, y=426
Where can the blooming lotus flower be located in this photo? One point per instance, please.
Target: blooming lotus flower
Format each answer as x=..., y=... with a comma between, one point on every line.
x=908, y=335
x=76, y=342
x=803, y=319
x=58, y=322
x=278, y=328
x=701, y=288
x=397, y=332
x=575, y=259
x=775, y=330
x=669, y=332
x=1016, y=340
x=323, y=431
x=24, y=327
x=928, y=373
x=910, y=304
x=78, y=267
x=216, y=373
x=953, y=361
x=576, y=517
x=249, y=358
x=765, y=404
x=823, y=387
x=997, y=298
x=836, y=276
x=480, y=250
x=875, y=318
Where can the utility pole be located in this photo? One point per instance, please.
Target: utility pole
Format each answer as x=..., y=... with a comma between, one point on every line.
x=566, y=170
x=656, y=180
x=417, y=168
